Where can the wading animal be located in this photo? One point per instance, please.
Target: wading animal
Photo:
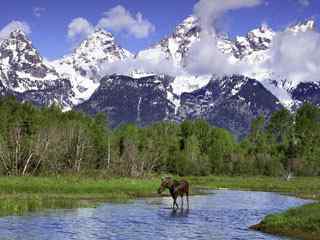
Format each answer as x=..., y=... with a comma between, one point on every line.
x=176, y=188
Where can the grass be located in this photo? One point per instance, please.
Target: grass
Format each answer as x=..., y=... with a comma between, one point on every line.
x=19, y=195
x=302, y=222
x=304, y=187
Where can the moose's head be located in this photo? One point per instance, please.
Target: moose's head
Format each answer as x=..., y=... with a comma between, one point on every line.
x=166, y=182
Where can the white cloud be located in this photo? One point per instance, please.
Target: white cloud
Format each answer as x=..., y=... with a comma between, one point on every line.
x=12, y=26
x=204, y=56
x=38, y=11
x=79, y=28
x=160, y=65
x=119, y=19
x=304, y=3
x=209, y=10
x=296, y=56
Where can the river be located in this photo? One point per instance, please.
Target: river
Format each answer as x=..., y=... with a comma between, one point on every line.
x=221, y=214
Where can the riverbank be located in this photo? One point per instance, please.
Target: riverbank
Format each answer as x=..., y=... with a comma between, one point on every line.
x=302, y=222
x=19, y=195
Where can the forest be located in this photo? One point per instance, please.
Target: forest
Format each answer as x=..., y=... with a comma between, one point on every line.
x=47, y=141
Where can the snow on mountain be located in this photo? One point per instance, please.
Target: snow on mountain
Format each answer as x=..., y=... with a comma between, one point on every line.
x=176, y=46
x=75, y=79
x=83, y=66
x=252, y=51
x=21, y=66
x=280, y=86
x=309, y=25
x=24, y=74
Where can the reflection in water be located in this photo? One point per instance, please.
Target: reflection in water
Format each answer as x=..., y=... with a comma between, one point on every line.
x=180, y=212
x=221, y=215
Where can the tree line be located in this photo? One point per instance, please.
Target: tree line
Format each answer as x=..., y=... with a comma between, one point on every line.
x=45, y=141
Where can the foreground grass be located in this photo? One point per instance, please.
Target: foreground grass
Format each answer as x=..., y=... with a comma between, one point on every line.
x=302, y=222
x=19, y=195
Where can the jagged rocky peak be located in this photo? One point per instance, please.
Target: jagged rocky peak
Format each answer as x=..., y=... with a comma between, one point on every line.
x=308, y=25
x=256, y=40
x=24, y=73
x=19, y=48
x=189, y=26
x=101, y=45
x=21, y=66
x=19, y=34
x=84, y=67
x=261, y=38
x=177, y=44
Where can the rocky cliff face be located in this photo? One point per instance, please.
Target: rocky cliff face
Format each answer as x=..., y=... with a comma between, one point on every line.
x=22, y=71
x=229, y=102
x=128, y=100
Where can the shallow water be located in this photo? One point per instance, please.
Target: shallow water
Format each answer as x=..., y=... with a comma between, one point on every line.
x=221, y=214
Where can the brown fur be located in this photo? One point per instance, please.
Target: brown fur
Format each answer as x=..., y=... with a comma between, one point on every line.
x=176, y=188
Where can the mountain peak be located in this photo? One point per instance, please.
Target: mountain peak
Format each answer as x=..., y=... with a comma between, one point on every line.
x=305, y=26
x=18, y=43
x=101, y=33
x=191, y=22
x=84, y=68
x=19, y=34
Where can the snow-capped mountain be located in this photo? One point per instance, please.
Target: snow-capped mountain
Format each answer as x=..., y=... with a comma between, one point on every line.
x=84, y=66
x=231, y=102
x=77, y=80
x=128, y=100
x=280, y=86
x=176, y=46
x=21, y=66
x=23, y=70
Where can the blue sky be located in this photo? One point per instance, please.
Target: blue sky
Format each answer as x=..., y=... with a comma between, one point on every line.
x=50, y=27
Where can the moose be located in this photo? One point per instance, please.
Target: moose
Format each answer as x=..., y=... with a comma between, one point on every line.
x=176, y=188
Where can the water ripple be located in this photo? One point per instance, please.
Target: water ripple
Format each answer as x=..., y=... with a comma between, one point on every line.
x=221, y=215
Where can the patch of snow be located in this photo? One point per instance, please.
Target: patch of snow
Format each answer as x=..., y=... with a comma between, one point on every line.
x=188, y=83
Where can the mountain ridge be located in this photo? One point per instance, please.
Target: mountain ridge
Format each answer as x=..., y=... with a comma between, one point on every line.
x=78, y=81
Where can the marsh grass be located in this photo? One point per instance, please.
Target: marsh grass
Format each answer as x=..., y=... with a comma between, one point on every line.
x=304, y=187
x=302, y=222
x=19, y=195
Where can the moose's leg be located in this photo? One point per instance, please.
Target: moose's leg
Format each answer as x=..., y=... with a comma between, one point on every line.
x=175, y=202
x=187, y=195
x=181, y=200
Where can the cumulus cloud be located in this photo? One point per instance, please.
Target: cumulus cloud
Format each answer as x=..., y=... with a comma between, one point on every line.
x=296, y=56
x=160, y=65
x=12, y=26
x=204, y=56
x=79, y=28
x=38, y=11
x=119, y=19
x=209, y=10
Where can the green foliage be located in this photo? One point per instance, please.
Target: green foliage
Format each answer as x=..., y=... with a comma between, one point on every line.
x=303, y=222
x=46, y=140
x=42, y=141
